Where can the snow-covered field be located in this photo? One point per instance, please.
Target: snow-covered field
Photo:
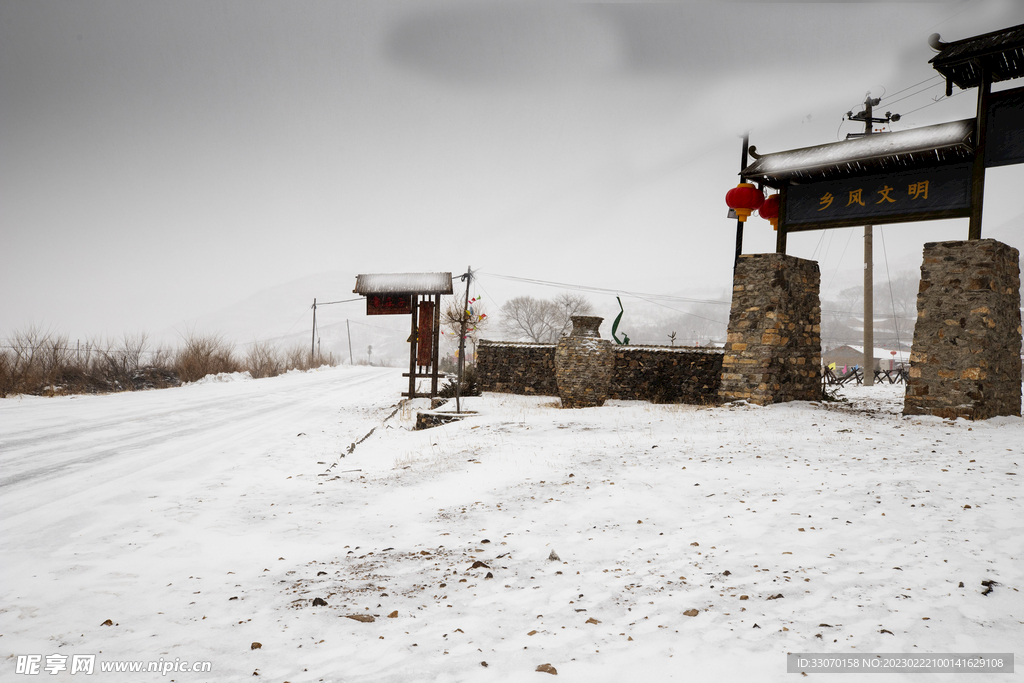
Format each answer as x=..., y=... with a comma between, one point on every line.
x=204, y=519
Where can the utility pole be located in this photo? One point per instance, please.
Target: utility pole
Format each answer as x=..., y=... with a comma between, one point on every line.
x=312, y=342
x=468, y=277
x=869, y=303
x=869, y=273
x=348, y=328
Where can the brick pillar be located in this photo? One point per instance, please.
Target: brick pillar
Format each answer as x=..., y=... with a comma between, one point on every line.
x=773, y=352
x=966, y=356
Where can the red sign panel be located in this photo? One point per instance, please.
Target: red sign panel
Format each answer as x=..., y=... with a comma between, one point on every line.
x=389, y=304
x=425, y=335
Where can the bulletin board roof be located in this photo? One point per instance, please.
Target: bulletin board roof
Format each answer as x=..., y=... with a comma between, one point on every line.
x=404, y=283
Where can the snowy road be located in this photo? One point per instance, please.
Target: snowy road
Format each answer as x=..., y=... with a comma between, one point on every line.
x=56, y=449
x=203, y=520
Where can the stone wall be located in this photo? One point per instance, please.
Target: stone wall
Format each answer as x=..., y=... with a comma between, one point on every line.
x=966, y=356
x=773, y=352
x=660, y=374
x=667, y=374
x=516, y=368
x=432, y=418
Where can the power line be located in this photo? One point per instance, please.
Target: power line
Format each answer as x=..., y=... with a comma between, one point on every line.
x=480, y=285
x=817, y=246
x=892, y=298
x=842, y=120
x=933, y=85
x=345, y=301
x=934, y=102
x=649, y=298
x=828, y=246
x=883, y=99
x=604, y=290
x=836, y=271
x=377, y=327
x=951, y=16
x=679, y=310
x=284, y=336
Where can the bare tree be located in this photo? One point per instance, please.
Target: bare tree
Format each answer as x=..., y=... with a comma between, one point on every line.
x=263, y=360
x=566, y=306
x=475, y=318
x=131, y=350
x=542, y=320
x=524, y=317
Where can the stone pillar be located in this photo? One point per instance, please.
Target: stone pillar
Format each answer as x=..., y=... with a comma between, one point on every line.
x=966, y=356
x=584, y=364
x=773, y=352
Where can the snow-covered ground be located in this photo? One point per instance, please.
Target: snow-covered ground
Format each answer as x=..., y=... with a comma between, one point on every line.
x=204, y=519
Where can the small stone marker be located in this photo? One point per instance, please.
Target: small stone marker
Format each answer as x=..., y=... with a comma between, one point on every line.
x=365, y=618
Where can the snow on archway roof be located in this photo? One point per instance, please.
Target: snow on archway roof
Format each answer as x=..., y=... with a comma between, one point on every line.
x=938, y=144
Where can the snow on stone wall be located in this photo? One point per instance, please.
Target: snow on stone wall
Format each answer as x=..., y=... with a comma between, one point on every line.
x=660, y=374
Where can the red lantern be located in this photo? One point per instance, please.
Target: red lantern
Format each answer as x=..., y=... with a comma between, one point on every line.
x=744, y=199
x=770, y=210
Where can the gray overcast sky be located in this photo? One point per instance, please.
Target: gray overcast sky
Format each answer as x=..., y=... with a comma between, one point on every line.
x=162, y=160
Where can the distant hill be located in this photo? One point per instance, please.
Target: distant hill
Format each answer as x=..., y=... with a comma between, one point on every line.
x=283, y=314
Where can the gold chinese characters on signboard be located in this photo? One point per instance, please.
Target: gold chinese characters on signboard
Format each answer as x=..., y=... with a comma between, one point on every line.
x=942, y=192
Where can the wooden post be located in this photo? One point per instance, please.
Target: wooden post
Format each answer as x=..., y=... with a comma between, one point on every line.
x=739, y=223
x=437, y=344
x=978, y=169
x=412, y=347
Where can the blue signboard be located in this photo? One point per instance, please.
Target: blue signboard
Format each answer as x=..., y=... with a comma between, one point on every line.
x=917, y=195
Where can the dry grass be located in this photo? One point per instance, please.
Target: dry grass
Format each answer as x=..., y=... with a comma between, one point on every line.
x=48, y=364
x=201, y=356
x=265, y=360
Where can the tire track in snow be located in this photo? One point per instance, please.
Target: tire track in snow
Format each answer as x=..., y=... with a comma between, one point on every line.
x=71, y=451
x=30, y=437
